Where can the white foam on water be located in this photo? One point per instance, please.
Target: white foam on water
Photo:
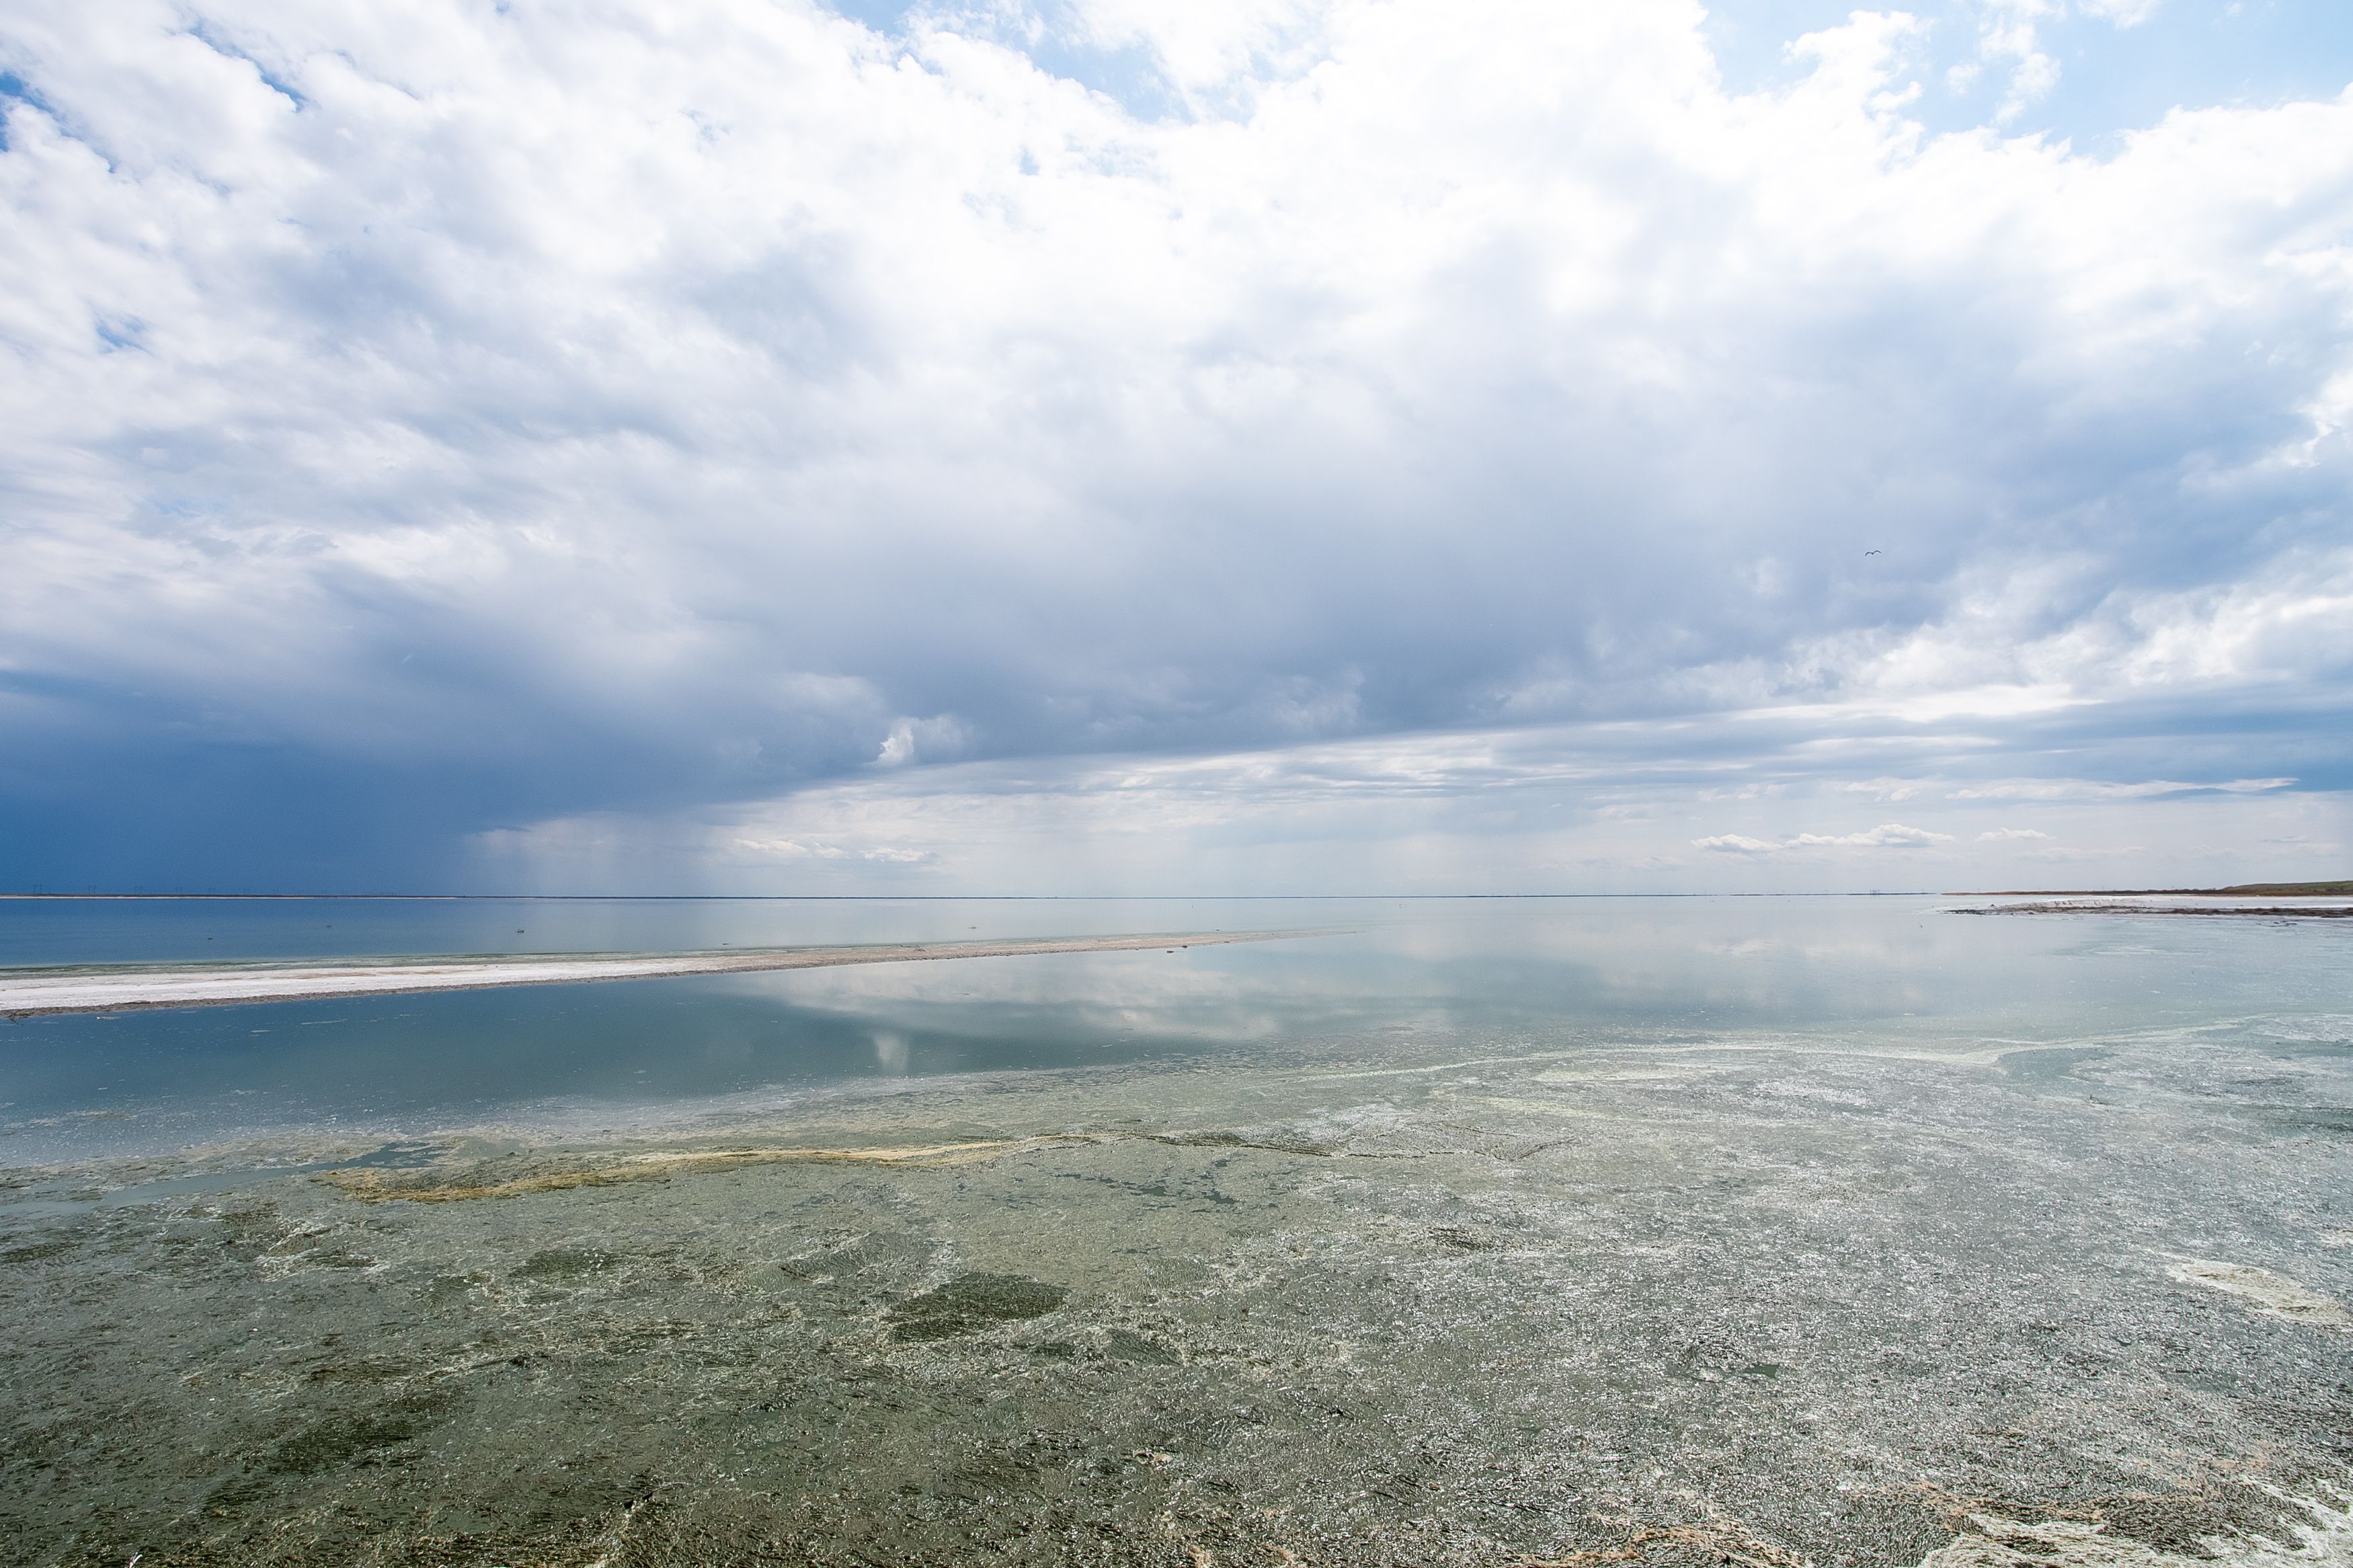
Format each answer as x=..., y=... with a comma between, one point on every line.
x=2272, y=1295
x=2326, y=1538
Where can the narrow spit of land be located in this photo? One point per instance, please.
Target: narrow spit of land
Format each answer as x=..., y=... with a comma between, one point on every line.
x=2244, y=902
x=2243, y=890
x=31, y=993
x=2089, y=906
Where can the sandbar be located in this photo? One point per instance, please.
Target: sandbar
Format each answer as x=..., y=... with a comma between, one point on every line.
x=2114, y=907
x=33, y=992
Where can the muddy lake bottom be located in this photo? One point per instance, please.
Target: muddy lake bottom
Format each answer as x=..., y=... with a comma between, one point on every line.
x=1763, y=1299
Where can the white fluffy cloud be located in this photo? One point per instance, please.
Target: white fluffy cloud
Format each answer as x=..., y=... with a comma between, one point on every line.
x=586, y=412
x=1886, y=836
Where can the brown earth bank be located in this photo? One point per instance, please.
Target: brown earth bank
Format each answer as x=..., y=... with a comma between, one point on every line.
x=2243, y=891
x=2079, y=906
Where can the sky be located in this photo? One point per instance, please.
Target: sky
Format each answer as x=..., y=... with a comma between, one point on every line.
x=1245, y=447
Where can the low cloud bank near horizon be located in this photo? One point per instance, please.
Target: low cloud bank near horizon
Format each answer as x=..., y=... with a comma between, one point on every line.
x=1546, y=809
x=735, y=447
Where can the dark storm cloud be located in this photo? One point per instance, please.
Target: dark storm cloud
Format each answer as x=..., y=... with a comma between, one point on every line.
x=445, y=425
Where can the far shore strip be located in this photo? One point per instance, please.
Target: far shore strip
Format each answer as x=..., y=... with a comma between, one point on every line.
x=2110, y=907
x=26, y=993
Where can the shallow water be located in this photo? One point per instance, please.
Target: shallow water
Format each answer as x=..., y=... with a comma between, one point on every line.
x=1759, y=1231
x=1434, y=970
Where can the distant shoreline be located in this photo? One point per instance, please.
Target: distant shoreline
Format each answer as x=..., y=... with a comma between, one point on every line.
x=2273, y=912
x=31, y=993
x=928, y=898
x=2243, y=891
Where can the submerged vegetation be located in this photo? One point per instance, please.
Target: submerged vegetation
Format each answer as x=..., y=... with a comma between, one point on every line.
x=1768, y=1302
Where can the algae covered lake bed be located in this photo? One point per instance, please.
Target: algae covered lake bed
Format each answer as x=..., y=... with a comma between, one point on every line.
x=1478, y=1287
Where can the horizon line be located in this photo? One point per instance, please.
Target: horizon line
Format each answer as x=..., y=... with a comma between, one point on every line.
x=923, y=898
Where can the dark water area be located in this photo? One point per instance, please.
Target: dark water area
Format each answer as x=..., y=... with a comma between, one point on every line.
x=1437, y=971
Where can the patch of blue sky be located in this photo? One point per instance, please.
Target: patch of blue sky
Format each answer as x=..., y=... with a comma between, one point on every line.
x=214, y=39
x=13, y=90
x=2105, y=67
x=886, y=17
x=2120, y=67
x=1055, y=39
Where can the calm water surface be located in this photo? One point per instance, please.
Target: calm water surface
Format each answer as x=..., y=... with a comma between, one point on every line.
x=1850, y=1231
x=1504, y=975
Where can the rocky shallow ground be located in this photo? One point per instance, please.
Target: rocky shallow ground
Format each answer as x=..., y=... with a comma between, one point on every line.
x=1754, y=1300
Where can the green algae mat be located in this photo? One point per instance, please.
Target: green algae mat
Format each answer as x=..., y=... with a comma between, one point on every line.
x=1763, y=1299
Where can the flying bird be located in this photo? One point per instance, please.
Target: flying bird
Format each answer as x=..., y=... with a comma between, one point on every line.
x=1870, y=553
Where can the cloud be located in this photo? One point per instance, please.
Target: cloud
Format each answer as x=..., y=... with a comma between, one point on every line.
x=1886, y=836
x=431, y=424
x=1736, y=844
x=787, y=849
x=1883, y=789
x=2004, y=835
x=1584, y=808
x=2123, y=13
x=941, y=738
x=2088, y=789
x=2011, y=30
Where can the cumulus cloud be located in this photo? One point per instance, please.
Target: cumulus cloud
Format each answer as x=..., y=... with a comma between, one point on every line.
x=1886, y=836
x=444, y=427
x=2123, y=13
x=1882, y=788
x=1736, y=844
x=940, y=738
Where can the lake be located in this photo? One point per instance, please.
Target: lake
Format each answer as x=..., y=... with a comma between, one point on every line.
x=1834, y=1229
x=1446, y=973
